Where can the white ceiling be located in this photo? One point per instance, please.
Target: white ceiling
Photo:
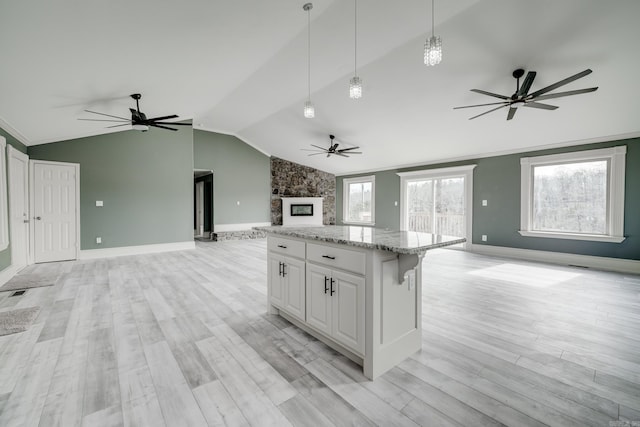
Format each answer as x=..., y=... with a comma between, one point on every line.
x=240, y=67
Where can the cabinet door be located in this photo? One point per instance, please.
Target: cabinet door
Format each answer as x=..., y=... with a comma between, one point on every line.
x=348, y=310
x=276, y=288
x=294, y=288
x=318, y=301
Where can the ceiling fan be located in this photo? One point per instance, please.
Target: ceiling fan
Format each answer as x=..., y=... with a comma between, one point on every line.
x=333, y=149
x=138, y=119
x=522, y=98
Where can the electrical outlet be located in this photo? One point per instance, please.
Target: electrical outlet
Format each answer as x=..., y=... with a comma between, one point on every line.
x=485, y=203
x=395, y=203
x=484, y=237
x=98, y=240
x=99, y=203
x=238, y=203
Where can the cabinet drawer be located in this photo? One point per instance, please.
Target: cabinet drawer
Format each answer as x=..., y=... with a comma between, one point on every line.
x=283, y=245
x=344, y=259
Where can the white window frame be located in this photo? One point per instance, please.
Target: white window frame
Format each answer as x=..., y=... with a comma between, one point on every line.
x=345, y=199
x=4, y=206
x=615, y=157
x=466, y=171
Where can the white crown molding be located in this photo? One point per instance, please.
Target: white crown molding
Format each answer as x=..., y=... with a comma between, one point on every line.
x=136, y=250
x=13, y=132
x=609, y=138
x=619, y=265
x=249, y=143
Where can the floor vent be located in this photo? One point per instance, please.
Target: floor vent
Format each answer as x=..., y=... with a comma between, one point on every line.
x=17, y=293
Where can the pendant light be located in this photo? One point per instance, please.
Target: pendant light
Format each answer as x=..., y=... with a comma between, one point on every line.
x=433, y=45
x=355, y=84
x=309, y=110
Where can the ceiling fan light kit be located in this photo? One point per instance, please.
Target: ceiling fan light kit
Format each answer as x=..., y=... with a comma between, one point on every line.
x=522, y=98
x=333, y=149
x=138, y=120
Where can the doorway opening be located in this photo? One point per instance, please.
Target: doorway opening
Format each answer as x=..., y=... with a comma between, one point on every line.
x=202, y=203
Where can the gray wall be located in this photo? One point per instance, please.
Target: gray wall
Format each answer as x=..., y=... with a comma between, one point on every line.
x=144, y=178
x=240, y=173
x=5, y=256
x=497, y=179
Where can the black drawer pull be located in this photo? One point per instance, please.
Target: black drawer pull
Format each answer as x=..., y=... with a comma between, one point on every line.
x=282, y=246
x=328, y=256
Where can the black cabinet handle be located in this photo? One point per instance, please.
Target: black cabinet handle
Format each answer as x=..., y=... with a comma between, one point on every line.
x=332, y=290
x=280, y=268
x=328, y=257
x=282, y=246
x=326, y=288
x=284, y=272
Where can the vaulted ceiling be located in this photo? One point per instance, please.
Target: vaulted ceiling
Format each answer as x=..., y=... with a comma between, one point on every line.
x=240, y=67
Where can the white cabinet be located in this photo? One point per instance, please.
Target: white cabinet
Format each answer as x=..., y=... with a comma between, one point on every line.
x=287, y=282
x=364, y=302
x=335, y=305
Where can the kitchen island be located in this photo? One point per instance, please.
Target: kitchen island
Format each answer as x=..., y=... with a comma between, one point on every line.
x=357, y=289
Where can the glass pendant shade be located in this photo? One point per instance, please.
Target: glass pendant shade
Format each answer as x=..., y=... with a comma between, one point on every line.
x=309, y=110
x=355, y=88
x=433, y=51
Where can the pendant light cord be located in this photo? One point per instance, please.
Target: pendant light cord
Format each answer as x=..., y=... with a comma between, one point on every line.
x=355, y=37
x=433, y=33
x=309, y=52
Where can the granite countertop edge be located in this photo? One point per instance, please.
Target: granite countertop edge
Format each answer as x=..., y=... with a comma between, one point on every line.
x=307, y=233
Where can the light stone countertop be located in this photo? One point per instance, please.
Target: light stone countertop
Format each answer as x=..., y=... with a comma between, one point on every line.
x=402, y=242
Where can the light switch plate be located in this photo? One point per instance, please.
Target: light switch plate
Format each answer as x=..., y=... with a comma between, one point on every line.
x=99, y=203
x=98, y=240
x=484, y=203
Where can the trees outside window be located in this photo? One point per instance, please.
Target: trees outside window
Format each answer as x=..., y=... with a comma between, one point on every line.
x=359, y=200
x=577, y=195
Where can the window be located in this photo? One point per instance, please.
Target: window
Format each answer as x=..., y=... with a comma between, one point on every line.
x=437, y=201
x=576, y=195
x=358, y=198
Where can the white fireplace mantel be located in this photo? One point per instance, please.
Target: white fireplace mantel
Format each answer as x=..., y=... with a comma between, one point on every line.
x=314, y=220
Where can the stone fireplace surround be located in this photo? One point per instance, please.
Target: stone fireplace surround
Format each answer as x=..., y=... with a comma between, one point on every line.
x=289, y=179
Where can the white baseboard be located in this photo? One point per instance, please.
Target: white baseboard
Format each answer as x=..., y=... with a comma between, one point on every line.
x=600, y=263
x=220, y=228
x=7, y=274
x=135, y=250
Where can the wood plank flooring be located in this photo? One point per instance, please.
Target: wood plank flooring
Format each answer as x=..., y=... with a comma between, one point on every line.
x=183, y=339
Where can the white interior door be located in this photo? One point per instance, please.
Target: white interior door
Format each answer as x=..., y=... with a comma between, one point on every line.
x=18, y=168
x=55, y=210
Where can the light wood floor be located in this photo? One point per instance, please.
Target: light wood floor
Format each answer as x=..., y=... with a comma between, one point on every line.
x=182, y=339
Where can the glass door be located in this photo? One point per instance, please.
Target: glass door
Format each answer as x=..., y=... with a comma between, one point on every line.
x=438, y=201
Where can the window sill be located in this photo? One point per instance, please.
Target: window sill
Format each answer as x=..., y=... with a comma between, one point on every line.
x=571, y=236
